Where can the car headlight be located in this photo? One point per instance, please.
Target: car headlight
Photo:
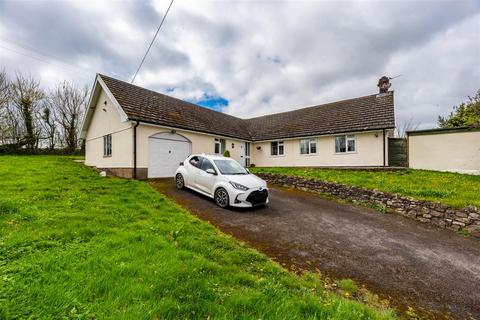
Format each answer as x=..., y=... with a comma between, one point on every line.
x=238, y=186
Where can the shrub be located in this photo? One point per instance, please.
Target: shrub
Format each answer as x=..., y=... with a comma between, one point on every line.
x=14, y=149
x=226, y=153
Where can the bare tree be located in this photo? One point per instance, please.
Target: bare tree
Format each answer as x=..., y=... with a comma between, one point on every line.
x=4, y=90
x=26, y=97
x=69, y=103
x=10, y=119
x=28, y=116
x=409, y=125
x=5, y=127
x=10, y=128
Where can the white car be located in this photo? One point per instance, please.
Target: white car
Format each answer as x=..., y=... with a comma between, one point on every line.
x=222, y=179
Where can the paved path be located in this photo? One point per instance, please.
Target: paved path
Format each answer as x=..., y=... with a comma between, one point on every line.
x=414, y=264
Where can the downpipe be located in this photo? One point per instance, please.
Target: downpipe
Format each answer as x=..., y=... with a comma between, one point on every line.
x=135, y=150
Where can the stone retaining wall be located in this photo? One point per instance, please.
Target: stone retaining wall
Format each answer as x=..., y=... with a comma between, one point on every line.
x=436, y=214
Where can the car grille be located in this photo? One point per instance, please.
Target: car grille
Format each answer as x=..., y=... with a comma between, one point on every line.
x=258, y=197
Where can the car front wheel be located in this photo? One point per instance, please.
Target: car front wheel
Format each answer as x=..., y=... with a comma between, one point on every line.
x=221, y=198
x=179, y=182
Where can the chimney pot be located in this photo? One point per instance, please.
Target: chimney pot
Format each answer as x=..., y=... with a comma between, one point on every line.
x=383, y=84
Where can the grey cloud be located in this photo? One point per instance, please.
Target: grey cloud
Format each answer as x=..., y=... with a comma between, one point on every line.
x=268, y=57
x=52, y=25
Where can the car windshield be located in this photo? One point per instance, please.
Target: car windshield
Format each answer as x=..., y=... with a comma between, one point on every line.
x=230, y=167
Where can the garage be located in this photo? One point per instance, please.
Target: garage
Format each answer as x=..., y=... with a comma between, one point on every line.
x=165, y=151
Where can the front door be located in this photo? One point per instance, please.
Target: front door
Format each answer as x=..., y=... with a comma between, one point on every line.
x=247, y=154
x=244, y=154
x=241, y=154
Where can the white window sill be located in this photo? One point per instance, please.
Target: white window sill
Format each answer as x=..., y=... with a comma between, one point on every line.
x=342, y=153
x=308, y=154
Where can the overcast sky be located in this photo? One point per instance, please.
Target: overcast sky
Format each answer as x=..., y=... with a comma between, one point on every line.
x=250, y=58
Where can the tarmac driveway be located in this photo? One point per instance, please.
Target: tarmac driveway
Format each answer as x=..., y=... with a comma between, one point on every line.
x=413, y=264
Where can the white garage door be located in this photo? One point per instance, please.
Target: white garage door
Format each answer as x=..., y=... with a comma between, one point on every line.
x=165, y=151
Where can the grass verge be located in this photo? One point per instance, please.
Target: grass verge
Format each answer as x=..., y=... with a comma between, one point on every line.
x=74, y=245
x=456, y=190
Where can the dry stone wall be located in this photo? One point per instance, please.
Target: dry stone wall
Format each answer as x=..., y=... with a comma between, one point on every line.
x=433, y=213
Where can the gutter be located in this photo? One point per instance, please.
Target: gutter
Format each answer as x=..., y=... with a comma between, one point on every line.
x=442, y=130
x=135, y=150
x=153, y=123
x=327, y=134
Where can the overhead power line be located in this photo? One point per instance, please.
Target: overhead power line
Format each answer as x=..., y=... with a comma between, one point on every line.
x=60, y=64
x=37, y=51
x=151, y=43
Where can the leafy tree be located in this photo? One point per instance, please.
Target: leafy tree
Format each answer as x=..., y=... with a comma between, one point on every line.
x=49, y=126
x=467, y=114
x=26, y=97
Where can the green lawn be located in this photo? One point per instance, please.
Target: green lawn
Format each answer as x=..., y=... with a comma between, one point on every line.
x=74, y=245
x=457, y=190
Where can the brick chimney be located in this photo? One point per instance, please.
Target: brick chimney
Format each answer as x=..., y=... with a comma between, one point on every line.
x=383, y=84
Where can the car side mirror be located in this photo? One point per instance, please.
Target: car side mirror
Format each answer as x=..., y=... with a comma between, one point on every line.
x=211, y=171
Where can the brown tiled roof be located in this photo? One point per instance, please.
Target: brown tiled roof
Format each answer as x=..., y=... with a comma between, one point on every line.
x=359, y=114
x=153, y=107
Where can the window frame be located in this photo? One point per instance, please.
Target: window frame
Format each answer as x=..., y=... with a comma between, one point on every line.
x=279, y=143
x=309, y=147
x=107, y=145
x=347, y=137
x=222, y=144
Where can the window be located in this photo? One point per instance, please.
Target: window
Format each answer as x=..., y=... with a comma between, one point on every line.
x=345, y=144
x=107, y=145
x=196, y=161
x=206, y=164
x=276, y=148
x=219, y=146
x=308, y=146
x=351, y=143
